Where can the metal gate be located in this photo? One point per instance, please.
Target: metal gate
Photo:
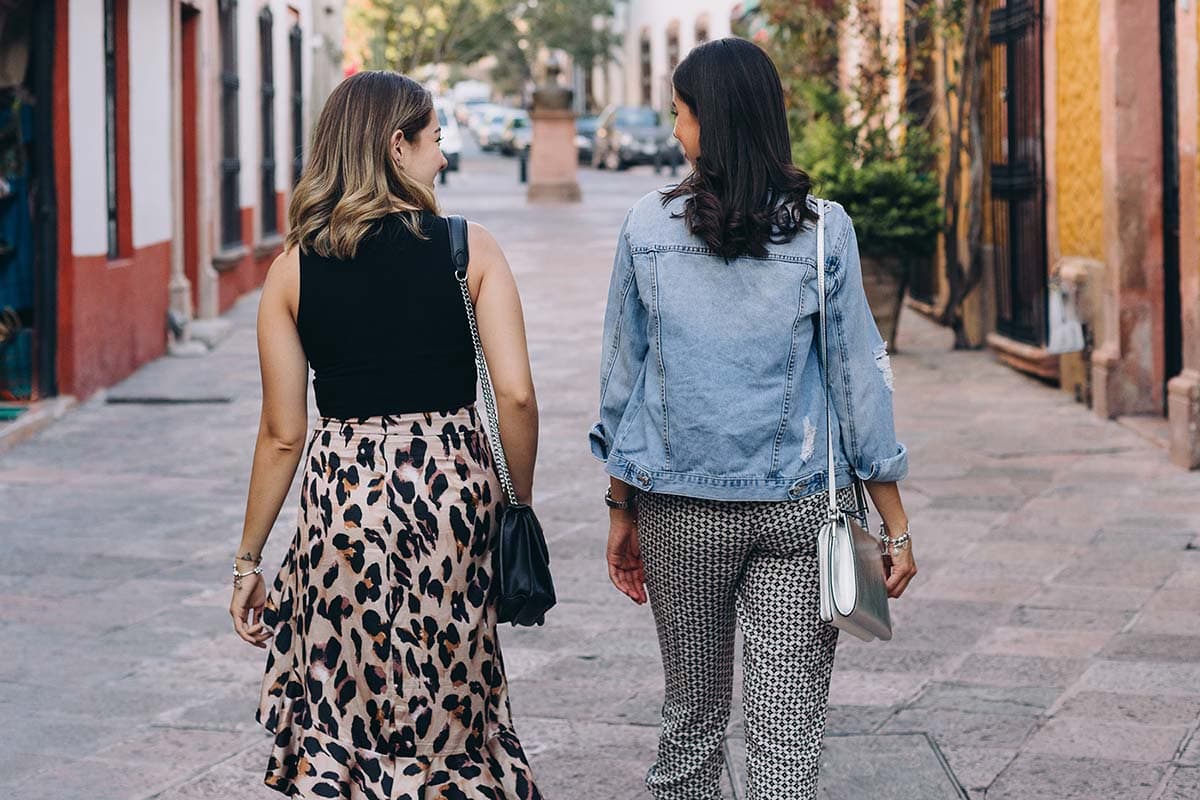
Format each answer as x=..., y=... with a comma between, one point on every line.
x=1014, y=141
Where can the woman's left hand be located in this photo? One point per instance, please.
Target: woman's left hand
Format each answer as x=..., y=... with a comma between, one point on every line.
x=246, y=608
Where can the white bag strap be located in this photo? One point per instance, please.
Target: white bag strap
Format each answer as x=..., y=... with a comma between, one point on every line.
x=833, y=507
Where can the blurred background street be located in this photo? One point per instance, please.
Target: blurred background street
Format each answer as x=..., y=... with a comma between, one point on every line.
x=1026, y=192
x=1048, y=649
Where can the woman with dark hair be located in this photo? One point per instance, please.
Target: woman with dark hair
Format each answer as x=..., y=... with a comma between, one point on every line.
x=713, y=416
x=384, y=677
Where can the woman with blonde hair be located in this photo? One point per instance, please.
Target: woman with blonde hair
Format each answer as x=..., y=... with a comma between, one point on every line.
x=384, y=677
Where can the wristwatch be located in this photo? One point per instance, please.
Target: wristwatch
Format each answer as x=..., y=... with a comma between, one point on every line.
x=623, y=505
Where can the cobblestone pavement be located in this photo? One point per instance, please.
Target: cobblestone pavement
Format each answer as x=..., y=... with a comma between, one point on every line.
x=1050, y=647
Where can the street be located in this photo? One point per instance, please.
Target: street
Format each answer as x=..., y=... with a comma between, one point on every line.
x=1049, y=648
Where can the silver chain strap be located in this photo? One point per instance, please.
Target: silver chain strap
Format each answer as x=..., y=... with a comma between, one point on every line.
x=489, y=399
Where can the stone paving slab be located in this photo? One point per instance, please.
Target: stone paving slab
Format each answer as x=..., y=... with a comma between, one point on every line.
x=890, y=767
x=1048, y=649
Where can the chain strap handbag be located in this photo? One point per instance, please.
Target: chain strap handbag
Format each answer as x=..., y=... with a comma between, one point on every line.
x=849, y=559
x=520, y=559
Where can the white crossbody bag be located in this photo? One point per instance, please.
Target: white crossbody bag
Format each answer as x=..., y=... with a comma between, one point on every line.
x=849, y=559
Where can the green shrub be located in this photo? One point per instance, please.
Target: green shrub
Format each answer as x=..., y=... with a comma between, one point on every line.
x=887, y=183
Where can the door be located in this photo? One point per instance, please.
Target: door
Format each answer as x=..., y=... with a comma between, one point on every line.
x=1015, y=145
x=28, y=208
x=1172, y=300
x=189, y=31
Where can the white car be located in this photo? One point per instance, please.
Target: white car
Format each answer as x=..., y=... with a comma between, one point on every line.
x=452, y=142
x=492, y=134
x=477, y=119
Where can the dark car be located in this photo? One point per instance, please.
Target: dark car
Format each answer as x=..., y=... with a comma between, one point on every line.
x=585, y=137
x=628, y=135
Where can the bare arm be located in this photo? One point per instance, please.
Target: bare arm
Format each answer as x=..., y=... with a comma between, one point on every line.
x=502, y=332
x=281, y=433
x=885, y=495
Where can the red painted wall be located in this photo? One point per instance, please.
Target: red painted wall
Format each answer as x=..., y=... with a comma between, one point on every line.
x=111, y=313
x=118, y=312
x=249, y=272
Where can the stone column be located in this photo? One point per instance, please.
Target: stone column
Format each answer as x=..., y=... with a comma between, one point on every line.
x=1128, y=365
x=553, y=160
x=1183, y=390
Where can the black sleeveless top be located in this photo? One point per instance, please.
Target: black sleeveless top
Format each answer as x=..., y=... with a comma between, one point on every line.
x=386, y=332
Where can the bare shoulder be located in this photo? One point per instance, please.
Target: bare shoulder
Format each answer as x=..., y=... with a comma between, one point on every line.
x=282, y=284
x=481, y=240
x=486, y=252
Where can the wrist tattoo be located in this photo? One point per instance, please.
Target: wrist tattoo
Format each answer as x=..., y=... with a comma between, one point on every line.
x=247, y=556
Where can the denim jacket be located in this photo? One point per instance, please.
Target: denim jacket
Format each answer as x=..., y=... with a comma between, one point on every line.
x=711, y=382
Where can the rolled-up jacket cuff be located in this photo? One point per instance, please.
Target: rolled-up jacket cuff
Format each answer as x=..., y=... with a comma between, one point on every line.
x=598, y=440
x=886, y=470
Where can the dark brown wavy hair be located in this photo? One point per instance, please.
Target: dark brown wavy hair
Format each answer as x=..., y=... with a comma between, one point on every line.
x=744, y=191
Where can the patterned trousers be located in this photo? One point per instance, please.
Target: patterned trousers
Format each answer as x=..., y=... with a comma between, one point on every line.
x=709, y=566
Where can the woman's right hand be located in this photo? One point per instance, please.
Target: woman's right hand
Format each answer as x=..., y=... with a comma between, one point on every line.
x=625, y=568
x=904, y=567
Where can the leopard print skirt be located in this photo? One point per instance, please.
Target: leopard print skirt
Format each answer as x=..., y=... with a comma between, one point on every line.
x=384, y=678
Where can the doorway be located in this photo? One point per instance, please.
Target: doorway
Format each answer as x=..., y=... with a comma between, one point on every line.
x=189, y=33
x=28, y=230
x=1172, y=300
x=1015, y=144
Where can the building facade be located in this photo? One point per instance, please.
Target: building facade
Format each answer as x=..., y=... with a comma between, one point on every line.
x=655, y=38
x=1091, y=125
x=163, y=140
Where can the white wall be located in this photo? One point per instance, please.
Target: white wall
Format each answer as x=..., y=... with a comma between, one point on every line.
x=623, y=80
x=150, y=168
x=89, y=206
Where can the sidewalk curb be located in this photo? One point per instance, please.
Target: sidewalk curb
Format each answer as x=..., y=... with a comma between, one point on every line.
x=40, y=416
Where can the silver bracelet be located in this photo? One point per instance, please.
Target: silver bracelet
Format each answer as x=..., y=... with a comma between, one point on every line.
x=897, y=543
x=237, y=576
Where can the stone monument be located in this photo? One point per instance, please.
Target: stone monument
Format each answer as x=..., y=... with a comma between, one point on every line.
x=553, y=160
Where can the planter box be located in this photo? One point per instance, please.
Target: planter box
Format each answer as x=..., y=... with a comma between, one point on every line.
x=885, y=278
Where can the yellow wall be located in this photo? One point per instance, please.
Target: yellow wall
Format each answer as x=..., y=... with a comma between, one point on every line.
x=1078, y=170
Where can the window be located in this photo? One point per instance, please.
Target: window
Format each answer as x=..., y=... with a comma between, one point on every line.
x=672, y=46
x=110, y=125
x=646, y=72
x=270, y=213
x=296, y=54
x=231, y=217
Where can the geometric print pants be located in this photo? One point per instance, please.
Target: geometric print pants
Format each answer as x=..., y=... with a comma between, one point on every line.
x=714, y=565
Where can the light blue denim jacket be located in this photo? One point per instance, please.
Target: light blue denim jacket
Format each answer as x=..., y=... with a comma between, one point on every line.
x=710, y=379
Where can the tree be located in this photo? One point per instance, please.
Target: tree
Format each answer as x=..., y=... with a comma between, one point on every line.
x=963, y=21
x=406, y=34
x=847, y=141
x=581, y=28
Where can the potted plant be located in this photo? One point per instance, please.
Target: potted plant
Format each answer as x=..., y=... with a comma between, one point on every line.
x=885, y=182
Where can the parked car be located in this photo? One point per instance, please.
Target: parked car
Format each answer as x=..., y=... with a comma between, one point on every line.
x=477, y=118
x=585, y=137
x=492, y=130
x=462, y=111
x=452, y=142
x=517, y=135
x=628, y=135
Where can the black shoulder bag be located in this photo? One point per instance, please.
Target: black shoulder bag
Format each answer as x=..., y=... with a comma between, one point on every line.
x=520, y=560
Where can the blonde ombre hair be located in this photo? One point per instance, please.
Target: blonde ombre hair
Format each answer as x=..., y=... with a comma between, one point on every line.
x=350, y=179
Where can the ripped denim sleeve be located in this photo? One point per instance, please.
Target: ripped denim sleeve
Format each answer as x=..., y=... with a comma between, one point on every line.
x=861, y=374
